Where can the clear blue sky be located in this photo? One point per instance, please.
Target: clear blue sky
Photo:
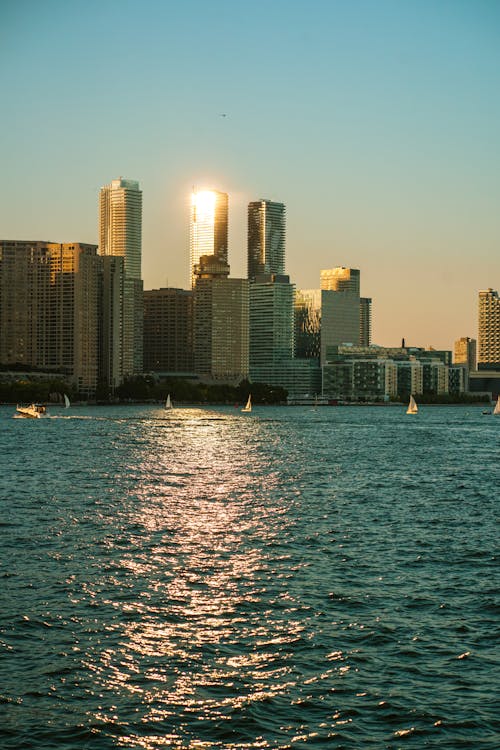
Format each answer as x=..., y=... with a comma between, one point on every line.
x=376, y=123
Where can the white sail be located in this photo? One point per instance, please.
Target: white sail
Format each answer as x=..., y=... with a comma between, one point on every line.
x=168, y=403
x=412, y=406
x=66, y=402
x=496, y=410
x=248, y=406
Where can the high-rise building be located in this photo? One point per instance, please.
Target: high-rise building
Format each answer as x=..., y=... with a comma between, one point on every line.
x=307, y=316
x=271, y=326
x=341, y=279
x=345, y=316
x=168, y=330
x=120, y=223
x=220, y=332
x=49, y=308
x=465, y=352
x=266, y=238
x=120, y=235
x=208, y=227
x=365, y=321
x=111, y=366
x=489, y=330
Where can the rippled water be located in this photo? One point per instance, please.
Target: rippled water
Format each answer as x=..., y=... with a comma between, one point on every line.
x=285, y=579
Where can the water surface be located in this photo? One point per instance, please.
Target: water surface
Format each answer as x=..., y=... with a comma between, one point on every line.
x=289, y=578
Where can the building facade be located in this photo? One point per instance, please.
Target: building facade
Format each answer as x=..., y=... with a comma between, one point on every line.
x=208, y=228
x=271, y=326
x=120, y=235
x=220, y=328
x=307, y=322
x=49, y=308
x=488, y=356
x=465, y=352
x=346, y=317
x=266, y=238
x=168, y=331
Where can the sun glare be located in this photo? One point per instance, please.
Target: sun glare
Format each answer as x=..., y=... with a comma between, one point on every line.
x=204, y=202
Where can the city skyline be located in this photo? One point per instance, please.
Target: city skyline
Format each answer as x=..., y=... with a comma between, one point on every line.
x=375, y=125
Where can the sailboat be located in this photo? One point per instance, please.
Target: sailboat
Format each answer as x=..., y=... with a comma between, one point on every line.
x=168, y=403
x=248, y=406
x=412, y=406
x=66, y=402
x=496, y=410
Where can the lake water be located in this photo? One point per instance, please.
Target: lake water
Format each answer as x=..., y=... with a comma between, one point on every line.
x=288, y=578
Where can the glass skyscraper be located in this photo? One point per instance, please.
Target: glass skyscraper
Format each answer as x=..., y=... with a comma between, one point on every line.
x=208, y=227
x=266, y=238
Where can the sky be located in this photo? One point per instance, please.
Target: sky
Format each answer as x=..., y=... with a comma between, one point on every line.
x=376, y=122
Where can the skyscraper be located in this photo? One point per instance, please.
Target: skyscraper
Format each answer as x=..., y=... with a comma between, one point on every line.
x=489, y=330
x=345, y=317
x=120, y=233
x=266, y=238
x=120, y=223
x=49, y=308
x=208, y=227
x=168, y=330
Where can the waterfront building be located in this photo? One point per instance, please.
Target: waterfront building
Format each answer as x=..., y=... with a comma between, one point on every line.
x=346, y=318
x=271, y=325
x=458, y=379
x=435, y=377
x=221, y=329
x=266, y=238
x=307, y=323
x=120, y=235
x=410, y=378
x=359, y=380
x=168, y=330
x=111, y=366
x=365, y=321
x=465, y=352
x=49, y=308
x=489, y=330
x=220, y=322
x=208, y=227
x=340, y=320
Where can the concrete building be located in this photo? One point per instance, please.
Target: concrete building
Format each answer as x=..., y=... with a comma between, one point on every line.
x=489, y=330
x=111, y=365
x=410, y=377
x=49, y=308
x=365, y=321
x=221, y=328
x=120, y=235
x=465, y=352
x=360, y=380
x=266, y=238
x=208, y=228
x=168, y=330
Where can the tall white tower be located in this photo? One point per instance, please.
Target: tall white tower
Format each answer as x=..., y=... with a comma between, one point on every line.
x=120, y=235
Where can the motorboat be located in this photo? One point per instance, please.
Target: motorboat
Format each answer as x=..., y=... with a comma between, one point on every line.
x=33, y=411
